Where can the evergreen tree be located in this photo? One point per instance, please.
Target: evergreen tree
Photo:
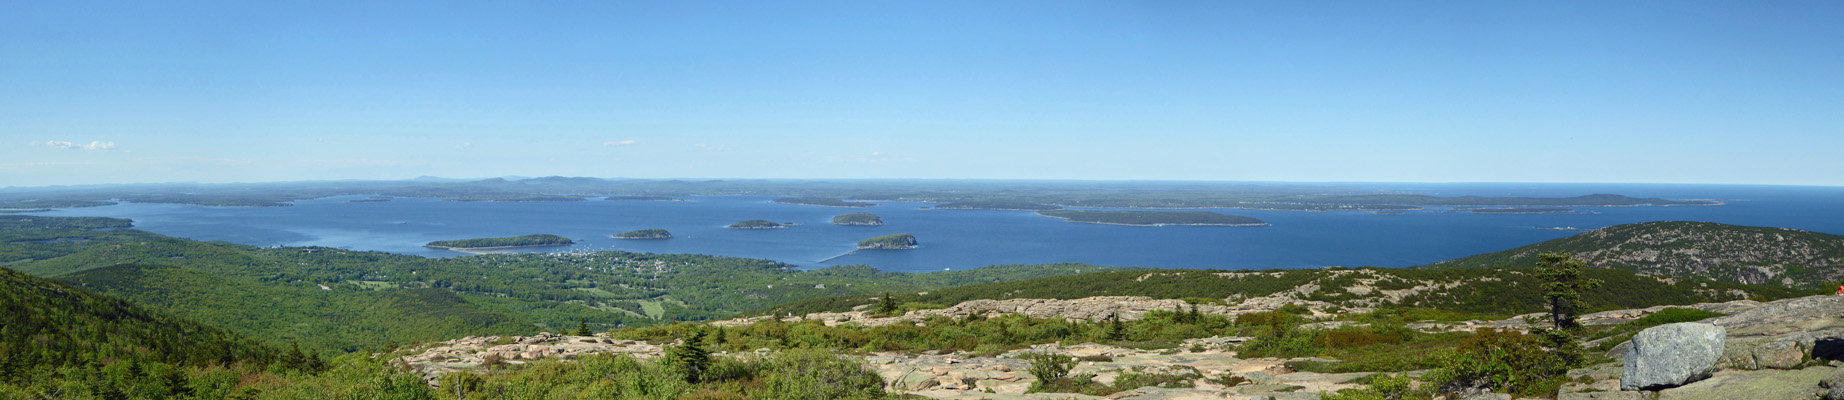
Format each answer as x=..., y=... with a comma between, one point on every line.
x=582, y=327
x=1116, y=330
x=691, y=358
x=887, y=306
x=1562, y=287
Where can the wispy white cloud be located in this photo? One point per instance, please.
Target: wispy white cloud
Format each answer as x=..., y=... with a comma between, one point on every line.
x=619, y=142
x=710, y=147
x=464, y=145
x=92, y=145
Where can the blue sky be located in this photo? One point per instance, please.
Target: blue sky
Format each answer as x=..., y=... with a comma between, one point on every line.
x=1641, y=91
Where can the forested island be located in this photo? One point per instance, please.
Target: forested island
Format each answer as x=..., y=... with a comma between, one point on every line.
x=644, y=234
x=857, y=219
x=822, y=202
x=641, y=198
x=1521, y=211
x=758, y=224
x=996, y=205
x=1153, y=218
x=889, y=242
x=501, y=243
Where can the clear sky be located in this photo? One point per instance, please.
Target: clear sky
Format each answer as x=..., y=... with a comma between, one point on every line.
x=1441, y=91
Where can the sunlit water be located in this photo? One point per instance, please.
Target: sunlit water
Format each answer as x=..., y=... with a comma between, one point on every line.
x=960, y=239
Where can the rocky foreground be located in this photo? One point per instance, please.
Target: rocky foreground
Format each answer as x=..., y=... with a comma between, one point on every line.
x=1787, y=349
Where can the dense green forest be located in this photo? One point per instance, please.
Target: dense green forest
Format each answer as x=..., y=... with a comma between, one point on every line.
x=995, y=205
x=891, y=241
x=822, y=201
x=515, y=241
x=1152, y=218
x=58, y=340
x=1120, y=194
x=757, y=224
x=645, y=234
x=1703, y=250
x=857, y=219
x=338, y=300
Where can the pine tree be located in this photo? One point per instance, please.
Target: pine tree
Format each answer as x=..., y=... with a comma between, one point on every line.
x=1562, y=287
x=1117, y=331
x=582, y=327
x=887, y=306
x=691, y=358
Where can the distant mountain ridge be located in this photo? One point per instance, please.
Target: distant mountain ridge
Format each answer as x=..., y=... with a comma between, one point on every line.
x=1706, y=250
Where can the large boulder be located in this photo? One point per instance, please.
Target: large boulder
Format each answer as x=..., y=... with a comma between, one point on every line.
x=1672, y=355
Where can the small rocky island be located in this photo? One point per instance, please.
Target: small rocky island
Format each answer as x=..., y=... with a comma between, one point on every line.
x=1153, y=218
x=889, y=242
x=758, y=224
x=504, y=243
x=645, y=234
x=858, y=219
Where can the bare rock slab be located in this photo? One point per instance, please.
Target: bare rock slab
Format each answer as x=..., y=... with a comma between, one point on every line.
x=1753, y=385
x=1672, y=355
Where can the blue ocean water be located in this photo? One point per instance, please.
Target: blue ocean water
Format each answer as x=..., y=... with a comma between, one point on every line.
x=961, y=239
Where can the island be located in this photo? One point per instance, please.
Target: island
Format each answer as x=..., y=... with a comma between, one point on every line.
x=757, y=224
x=1521, y=211
x=822, y=202
x=889, y=242
x=641, y=198
x=1153, y=218
x=996, y=205
x=858, y=219
x=645, y=234
x=504, y=243
x=374, y=199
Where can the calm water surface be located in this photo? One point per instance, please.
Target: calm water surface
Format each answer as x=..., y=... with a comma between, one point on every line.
x=961, y=239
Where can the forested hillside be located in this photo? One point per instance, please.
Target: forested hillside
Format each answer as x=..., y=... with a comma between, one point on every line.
x=1704, y=250
x=342, y=300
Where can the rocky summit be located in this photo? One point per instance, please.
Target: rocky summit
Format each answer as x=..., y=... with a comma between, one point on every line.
x=1786, y=349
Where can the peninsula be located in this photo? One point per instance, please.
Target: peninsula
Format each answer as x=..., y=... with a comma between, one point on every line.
x=858, y=219
x=822, y=202
x=758, y=224
x=889, y=242
x=996, y=205
x=484, y=244
x=1153, y=218
x=645, y=234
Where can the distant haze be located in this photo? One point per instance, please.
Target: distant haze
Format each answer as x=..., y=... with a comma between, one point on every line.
x=1637, y=91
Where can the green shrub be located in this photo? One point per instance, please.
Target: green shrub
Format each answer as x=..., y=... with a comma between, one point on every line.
x=1503, y=361
x=817, y=375
x=1048, y=368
